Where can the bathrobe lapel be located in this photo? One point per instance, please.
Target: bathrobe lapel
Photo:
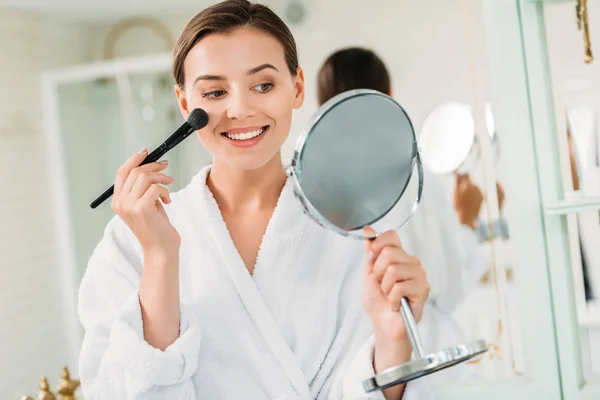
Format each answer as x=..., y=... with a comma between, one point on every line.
x=283, y=221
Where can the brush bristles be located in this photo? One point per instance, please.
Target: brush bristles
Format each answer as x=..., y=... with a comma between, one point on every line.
x=198, y=119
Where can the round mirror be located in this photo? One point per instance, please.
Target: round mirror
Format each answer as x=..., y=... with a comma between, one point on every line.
x=354, y=161
x=447, y=137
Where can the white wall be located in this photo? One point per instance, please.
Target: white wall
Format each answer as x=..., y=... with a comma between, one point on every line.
x=32, y=333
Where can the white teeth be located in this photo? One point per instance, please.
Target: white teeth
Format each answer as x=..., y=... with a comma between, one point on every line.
x=245, y=135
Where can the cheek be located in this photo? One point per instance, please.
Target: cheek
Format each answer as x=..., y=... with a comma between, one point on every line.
x=280, y=107
x=207, y=140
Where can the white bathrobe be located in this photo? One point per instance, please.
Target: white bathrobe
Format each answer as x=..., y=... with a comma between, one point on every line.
x=295, y=329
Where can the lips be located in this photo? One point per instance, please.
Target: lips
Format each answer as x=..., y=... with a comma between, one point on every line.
x=244, y=134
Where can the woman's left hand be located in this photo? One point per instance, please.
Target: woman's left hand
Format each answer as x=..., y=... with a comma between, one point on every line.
x=389, y=275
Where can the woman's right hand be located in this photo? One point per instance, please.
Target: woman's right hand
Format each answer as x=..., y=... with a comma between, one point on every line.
x=137, y=200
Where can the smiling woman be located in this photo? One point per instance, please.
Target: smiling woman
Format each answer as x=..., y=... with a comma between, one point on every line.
x=226, y=289
x=249, y=91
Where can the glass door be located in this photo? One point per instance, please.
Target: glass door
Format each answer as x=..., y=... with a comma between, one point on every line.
x=561, y=38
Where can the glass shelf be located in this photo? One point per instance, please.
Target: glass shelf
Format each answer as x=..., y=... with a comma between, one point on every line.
x=574, y=203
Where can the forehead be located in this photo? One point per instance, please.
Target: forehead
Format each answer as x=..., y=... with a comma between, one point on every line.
x=234, y=53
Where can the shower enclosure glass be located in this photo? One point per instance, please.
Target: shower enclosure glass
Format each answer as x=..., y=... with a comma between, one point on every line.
x=103, y=121
x=97, y=116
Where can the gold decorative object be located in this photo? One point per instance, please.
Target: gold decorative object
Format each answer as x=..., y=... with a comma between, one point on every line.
x=67, y=386
x=45, y=393
x=583, y=24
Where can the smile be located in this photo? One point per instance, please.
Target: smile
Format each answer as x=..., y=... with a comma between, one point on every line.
x=246, y=135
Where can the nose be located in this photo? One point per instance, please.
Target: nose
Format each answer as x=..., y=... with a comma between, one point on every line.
x=239, y=106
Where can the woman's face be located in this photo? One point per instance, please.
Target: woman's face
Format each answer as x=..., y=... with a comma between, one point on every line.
x=242, y=81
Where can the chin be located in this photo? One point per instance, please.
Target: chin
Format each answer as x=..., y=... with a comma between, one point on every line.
x=251, y=162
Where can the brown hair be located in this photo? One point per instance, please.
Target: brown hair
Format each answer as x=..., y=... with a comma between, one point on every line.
x=225, y=17
x=352, y=68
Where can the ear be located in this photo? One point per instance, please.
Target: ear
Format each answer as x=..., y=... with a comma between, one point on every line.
x=182, y=101
x=299, y=88
x=390, y=92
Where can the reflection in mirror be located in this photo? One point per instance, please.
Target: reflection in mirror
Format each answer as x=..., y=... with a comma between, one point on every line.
x=469, y=159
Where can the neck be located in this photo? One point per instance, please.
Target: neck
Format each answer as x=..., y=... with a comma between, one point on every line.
x=237, y=190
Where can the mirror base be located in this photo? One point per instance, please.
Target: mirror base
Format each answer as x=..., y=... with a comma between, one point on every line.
x=429, y=364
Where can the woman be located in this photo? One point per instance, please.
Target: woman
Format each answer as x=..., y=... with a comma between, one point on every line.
x=225, y=289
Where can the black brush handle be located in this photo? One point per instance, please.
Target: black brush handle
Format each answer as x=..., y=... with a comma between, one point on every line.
x=152, y=157
x=196, y=121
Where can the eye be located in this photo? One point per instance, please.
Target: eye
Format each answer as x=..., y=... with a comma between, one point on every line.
x=264, y=87
x=215, y=94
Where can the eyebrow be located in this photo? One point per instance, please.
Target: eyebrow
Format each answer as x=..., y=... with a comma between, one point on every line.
x=253, y=71
x=256, y=70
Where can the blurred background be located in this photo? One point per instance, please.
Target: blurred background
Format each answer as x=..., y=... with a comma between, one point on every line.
x=84, y=84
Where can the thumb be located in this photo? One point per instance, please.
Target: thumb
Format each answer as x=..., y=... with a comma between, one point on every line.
x=370, y=256
x=368, y=232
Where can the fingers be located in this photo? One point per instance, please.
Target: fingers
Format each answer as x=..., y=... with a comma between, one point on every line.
x=391, y=256
x=388, y=239
x=146, y=179
x=139, y=181
x=154, y=193
x=126, y=168
x=144, y=169
x=400, y=273
x=400, y=290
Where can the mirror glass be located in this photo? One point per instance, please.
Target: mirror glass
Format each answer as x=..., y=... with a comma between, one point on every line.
x=366, y=143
